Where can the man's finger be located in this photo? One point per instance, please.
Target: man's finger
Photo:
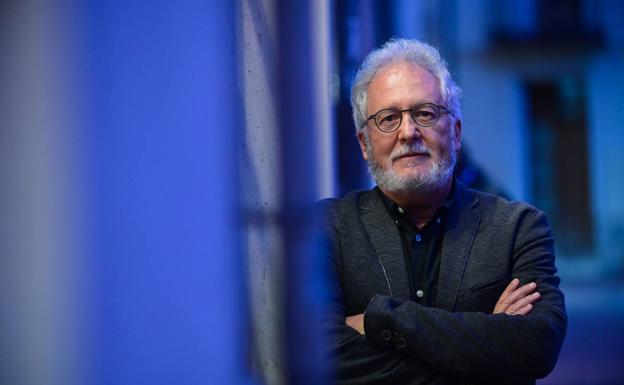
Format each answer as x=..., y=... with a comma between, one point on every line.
x=515, y=307
x=519, y=293
x=509, y=289
x=512, y=295
x=524, y=310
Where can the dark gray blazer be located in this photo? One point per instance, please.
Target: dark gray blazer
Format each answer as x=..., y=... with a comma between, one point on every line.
x=487, y=242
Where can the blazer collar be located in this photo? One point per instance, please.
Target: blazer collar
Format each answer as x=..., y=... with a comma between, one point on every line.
x=461, y=229
x=386, y=241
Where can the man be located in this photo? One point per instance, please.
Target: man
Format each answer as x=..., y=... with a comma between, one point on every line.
x=432, y=282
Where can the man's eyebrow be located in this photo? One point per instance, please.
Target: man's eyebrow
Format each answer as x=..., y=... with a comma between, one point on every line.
x=418, y=103
x=425, y=102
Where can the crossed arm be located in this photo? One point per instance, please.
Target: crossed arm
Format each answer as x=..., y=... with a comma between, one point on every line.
x=515, y=300
x=449, y=347
x=520, y=339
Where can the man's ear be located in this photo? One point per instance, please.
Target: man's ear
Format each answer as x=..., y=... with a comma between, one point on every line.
x=362, y=140
x=457, y=127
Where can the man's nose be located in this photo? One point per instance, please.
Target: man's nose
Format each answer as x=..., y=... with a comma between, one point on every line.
x=409, y=130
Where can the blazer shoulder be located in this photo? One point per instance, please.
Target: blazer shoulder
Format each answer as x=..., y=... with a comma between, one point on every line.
x=501, y=208
x=347, y=206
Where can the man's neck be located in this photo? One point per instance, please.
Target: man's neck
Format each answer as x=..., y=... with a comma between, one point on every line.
x=421, y=206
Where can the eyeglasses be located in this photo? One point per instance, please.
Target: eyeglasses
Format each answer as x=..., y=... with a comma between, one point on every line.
x=425, y=115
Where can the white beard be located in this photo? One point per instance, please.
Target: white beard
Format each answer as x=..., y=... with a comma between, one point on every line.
x=388, y=180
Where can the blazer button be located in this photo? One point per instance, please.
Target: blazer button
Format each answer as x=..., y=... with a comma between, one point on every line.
x=386, y=335
x=401, y=343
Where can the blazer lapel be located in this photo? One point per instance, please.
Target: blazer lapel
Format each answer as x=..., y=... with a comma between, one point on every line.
x=386, y=241
x=460, y=232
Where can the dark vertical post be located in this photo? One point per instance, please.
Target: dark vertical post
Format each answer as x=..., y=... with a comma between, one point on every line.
x=300, y=108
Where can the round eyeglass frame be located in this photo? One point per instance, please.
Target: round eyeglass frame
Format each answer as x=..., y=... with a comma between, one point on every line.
x=439, y=110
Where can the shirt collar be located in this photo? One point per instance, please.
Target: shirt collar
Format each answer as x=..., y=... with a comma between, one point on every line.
x=399, y=214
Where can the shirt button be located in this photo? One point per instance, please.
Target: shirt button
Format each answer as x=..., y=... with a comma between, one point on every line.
x=401, y=210
x=396, y=221
x=420, y=293
x=418, y=238
x=438, y=220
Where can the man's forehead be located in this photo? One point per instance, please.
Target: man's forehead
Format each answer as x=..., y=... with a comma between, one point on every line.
x=401, y=67
x=398, y=79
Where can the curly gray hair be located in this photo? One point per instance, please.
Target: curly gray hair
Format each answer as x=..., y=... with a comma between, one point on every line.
x=396, y=50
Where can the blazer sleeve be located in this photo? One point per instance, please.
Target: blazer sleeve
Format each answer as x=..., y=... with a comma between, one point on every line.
x=356, y=360
x=484, y=344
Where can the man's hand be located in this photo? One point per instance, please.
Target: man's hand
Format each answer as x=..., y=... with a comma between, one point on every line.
x=356, y=322
x=513, y=301
x=517, y=301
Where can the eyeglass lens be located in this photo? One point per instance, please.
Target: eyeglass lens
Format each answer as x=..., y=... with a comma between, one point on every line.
x=424, y=115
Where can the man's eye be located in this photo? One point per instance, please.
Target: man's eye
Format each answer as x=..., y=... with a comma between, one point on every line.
x=388, y=118
x=426, y=114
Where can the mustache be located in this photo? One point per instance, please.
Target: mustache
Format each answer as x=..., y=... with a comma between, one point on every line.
x=410, y=149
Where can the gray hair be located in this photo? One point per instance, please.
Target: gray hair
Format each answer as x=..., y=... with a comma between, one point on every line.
x=393, y=51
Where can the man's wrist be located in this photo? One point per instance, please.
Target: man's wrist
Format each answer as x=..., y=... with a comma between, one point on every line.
x=378, y=325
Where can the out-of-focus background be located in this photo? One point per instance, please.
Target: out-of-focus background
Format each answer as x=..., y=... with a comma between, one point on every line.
x=158, y=161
